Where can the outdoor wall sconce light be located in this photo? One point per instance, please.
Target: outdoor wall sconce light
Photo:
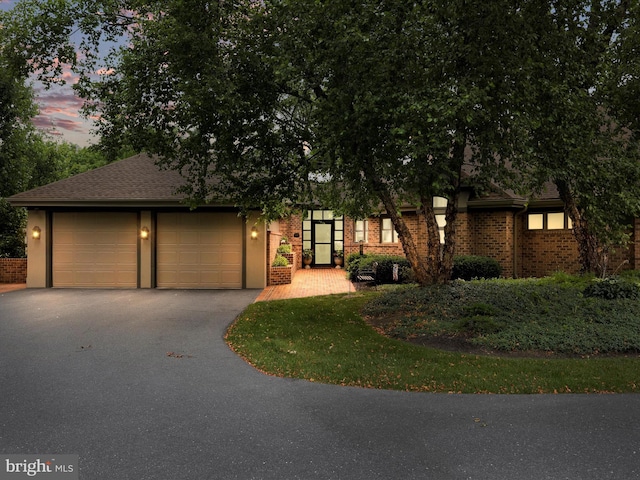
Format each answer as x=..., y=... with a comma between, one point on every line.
x=35, y=233
x=144, y=233
x=254, y=233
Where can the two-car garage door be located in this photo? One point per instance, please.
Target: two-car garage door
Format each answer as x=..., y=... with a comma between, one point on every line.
x=193, y=250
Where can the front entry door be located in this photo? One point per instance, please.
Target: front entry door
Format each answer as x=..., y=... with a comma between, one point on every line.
x=323, y=233
x=323, y=243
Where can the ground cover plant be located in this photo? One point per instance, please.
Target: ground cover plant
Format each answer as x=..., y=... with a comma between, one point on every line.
x=326, y=339
x=558, y=315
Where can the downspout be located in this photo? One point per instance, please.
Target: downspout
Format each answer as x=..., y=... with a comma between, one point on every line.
x=517, y=215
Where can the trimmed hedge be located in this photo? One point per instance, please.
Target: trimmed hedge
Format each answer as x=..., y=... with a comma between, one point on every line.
x=468, y=267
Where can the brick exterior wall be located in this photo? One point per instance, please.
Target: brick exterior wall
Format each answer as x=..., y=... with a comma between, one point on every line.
x=543, y=252
x=280, y=275
x=290, y=228
x=490, y=234
x=13, y=270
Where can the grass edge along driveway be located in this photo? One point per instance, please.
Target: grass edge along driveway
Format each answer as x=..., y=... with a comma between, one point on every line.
x=324, y=339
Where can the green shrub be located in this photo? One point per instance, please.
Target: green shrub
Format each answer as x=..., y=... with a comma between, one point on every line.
x=280, y=261
x=612, y=288
x=468, y=267
x=353, y=264
x=384, y=270
x=284, y=248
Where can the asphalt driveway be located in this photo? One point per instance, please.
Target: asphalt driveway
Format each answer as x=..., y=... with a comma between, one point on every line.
x=140, y=384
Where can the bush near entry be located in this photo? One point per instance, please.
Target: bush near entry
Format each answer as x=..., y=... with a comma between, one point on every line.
x=384, y=270
x=465, y=267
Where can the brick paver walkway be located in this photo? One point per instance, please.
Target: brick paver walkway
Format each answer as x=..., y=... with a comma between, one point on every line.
x=309, y=283
x=8, y=287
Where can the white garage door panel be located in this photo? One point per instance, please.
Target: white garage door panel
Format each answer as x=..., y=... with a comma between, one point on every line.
x=199, y=250
x=95, y=250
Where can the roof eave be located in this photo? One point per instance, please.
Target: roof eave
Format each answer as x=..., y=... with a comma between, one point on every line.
x=515, y=203
x=82, y=204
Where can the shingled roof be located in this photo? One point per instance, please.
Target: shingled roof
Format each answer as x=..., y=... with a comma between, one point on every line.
x=134, y=181
x=138, y=182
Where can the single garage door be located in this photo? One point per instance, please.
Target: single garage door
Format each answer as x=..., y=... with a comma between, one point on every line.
x=95, y=250
x=199, y=250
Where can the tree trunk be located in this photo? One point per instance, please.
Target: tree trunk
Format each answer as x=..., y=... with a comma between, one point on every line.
x=406, y=239
x=434, y=251
x=450, y=237
x=439, y=256
x=591, y=256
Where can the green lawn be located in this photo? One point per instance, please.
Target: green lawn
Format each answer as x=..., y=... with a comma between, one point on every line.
x=325, y=339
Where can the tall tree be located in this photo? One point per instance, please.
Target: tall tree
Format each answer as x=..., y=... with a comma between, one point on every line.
x=584, y=140
x=16, y=109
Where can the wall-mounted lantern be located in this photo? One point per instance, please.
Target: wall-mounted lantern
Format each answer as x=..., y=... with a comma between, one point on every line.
x=144, y=233
x=35, y=233
x=254, y=233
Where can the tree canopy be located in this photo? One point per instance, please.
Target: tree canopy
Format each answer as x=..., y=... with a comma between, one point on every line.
x=584, y=135
x=363, y=106
x=28, y=158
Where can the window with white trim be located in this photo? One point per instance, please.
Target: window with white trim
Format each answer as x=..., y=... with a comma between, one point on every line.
x=388, y=233
x=361, y=231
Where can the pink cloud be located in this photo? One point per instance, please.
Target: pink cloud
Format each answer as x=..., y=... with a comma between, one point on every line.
x=57, y=126
x=70, y=125
x=62, y=100
x=60, y=114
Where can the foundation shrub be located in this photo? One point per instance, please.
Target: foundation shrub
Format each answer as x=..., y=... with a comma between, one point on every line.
x=468, y=267
x=384, y=270
x=353, y=264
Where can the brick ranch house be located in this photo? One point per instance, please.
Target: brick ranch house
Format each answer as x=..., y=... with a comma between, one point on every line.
x=123, y=226
x=530, y=237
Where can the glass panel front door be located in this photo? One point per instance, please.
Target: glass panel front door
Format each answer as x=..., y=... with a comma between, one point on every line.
x=323, y=243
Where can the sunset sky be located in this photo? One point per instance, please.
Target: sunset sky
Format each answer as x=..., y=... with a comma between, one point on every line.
x=59, y=109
